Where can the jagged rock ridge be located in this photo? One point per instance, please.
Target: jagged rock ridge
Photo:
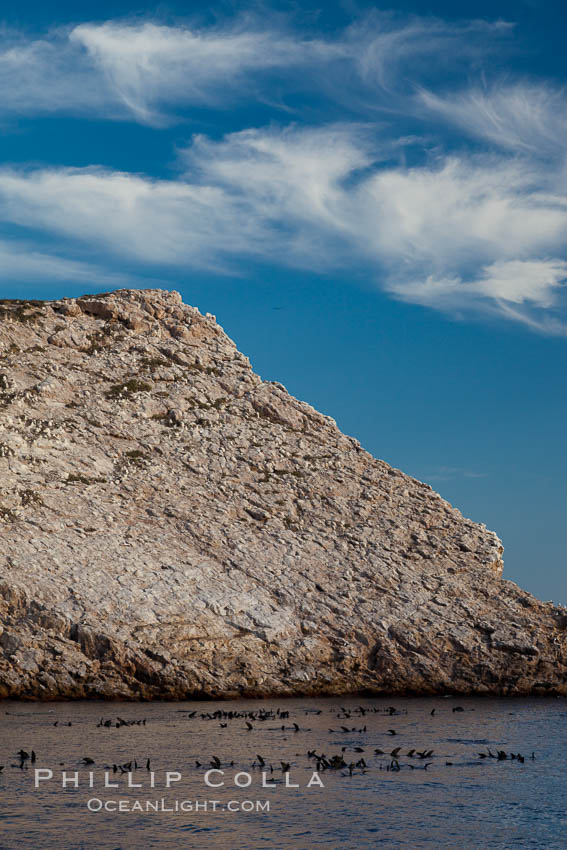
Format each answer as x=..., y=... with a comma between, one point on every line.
x=172, y=525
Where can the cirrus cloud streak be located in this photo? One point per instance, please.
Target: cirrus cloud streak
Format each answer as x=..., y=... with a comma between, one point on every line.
x=452, y=197
x=151, y=72
x=480, y=233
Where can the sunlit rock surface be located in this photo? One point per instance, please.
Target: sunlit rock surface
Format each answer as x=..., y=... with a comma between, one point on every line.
x=171, y=525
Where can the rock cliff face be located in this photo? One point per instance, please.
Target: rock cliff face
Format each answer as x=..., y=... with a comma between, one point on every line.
x=172, y=526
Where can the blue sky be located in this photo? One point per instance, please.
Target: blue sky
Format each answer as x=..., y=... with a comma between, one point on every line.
x=373, y=202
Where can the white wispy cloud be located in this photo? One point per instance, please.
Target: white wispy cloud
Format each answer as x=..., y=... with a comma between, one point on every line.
x=272, y=193
x=169, y=223
x=524, y=116
x=147, y=67
x=456, y=234
x=520, y=290
x=145, y=71
x=22, y=261
x=467, y=227
x=43, y=76
x=392, y=50
x=148, y=72
x=463, y=209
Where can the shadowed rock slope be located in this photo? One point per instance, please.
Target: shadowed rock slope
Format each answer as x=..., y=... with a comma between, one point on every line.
x=172, y=525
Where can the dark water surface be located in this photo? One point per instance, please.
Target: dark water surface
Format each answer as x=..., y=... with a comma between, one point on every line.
x=471, y=803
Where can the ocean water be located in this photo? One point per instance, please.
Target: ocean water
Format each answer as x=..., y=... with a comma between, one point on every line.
x=451, y=798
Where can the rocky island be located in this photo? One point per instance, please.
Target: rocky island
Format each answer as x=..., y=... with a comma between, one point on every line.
x=172, y=526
